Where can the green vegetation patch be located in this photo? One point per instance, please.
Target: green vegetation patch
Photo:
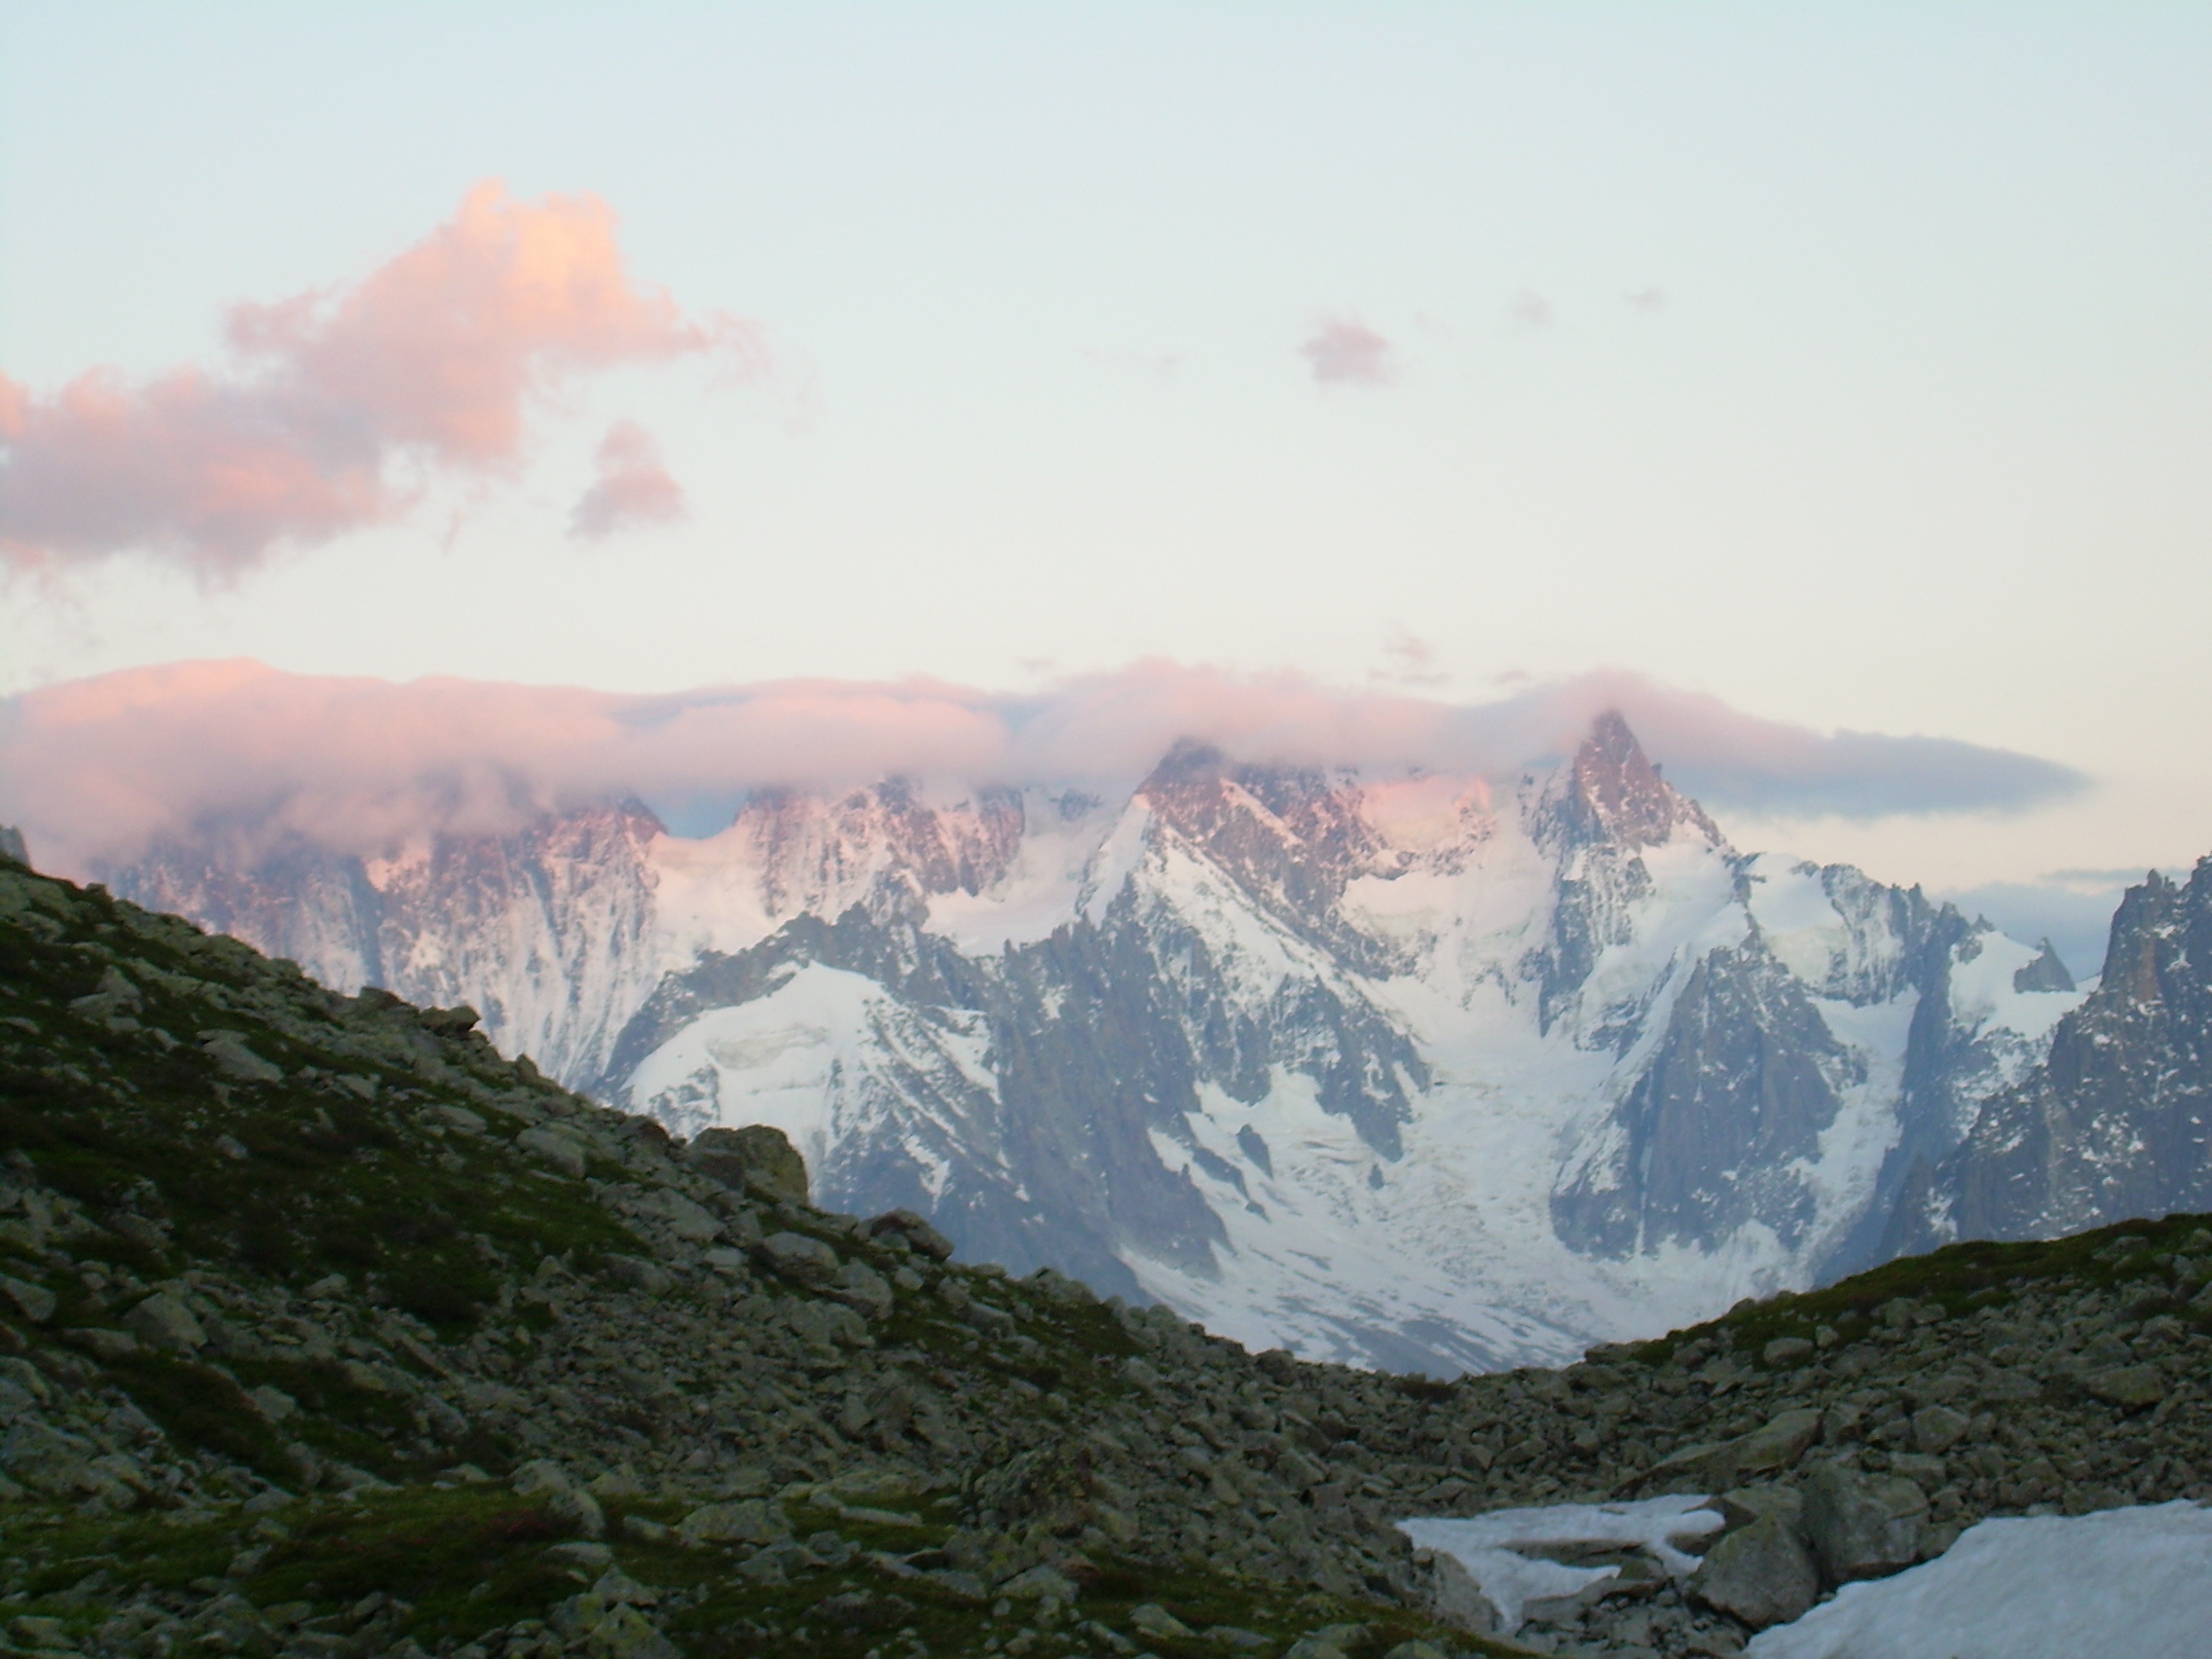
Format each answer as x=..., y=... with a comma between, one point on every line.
x=466, y=1558
x=199, y=1406
x=1960, y=1278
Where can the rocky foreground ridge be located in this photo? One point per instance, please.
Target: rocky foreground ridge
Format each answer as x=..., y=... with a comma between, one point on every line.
x=328, y=1331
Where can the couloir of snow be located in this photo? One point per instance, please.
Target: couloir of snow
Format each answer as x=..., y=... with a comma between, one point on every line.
x=1496, y=1548
x=2121, y=1581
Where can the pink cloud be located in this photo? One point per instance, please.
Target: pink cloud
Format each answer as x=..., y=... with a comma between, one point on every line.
x=633, y=487
x=97, y=769
x=334, y=401
x=1342, y=351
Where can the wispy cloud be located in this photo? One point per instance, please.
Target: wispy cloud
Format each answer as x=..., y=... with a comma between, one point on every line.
x=1408, y=660
x=633, y=487
x=97, y=769
x=335, y=406
x=1646, y=299
x=1345, y=352
x=1530, y=310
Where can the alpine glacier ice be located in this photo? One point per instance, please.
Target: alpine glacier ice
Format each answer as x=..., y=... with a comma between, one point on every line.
x=1420, y=1072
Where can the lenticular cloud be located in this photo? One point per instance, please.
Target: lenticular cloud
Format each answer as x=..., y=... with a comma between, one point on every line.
x=335, y=405
x=99, y=769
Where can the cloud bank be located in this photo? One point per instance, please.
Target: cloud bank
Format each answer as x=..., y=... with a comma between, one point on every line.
x=99, y=769
x=337, y=406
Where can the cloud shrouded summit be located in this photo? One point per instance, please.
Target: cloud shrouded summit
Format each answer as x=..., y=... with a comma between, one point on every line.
x=335, y=406
x=97, y=769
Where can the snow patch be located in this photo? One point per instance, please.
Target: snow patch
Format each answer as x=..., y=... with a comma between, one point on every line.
x=1493, y=1547
x=2032, y=1587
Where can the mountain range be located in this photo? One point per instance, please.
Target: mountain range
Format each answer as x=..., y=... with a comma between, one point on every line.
x=1419, y=1072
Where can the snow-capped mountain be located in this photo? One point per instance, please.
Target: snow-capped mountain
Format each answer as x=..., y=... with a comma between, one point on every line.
x=1411, y=1071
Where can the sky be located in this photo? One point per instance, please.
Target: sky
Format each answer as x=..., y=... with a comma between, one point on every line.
x=1845, y=367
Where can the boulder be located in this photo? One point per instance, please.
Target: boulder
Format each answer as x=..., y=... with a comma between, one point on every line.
x=640, y=1275
x=1862, y=1525
x=926, y=1239
x=825, y=1324
x=1936, y=1429
x=749, y=1521
x=1156, y=1621
x=234, y=1060
x=798, y=1258
x=1759, y=1574
x=1779, y=1444
x=860, y=1287
x=756, y=1157
x=33, y=1301
x=693, y=1223
x=162, y=1321
x=45, y=1459
x=564, y=1152
x=456, y=1021
x=1453, y=1596
x=2129, y=1387
x=1747, y=1504
x=1039, y=1583
x=568, y=1502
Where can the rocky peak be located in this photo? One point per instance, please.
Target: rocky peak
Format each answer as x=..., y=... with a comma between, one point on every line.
x=2111, y=1124
x=2146, y=919
x=816, y=852
x=2047, y=973
x=1614, y=792
x=1290, y=836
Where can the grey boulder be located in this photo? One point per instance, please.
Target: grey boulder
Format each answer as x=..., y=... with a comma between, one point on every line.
x=1759, y=1574
x=1862, y=1525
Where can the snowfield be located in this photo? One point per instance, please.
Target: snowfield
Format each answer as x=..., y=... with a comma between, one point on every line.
x=2131, y=1583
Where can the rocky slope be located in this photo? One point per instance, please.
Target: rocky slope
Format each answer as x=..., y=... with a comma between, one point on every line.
x=329, y=1331
x=1417, y=1072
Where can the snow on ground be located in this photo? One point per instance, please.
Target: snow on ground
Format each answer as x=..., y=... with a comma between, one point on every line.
x=1491, y=1547
x=2131, y=1581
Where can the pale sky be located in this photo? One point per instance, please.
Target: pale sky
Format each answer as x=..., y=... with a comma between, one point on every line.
x=1850, y=364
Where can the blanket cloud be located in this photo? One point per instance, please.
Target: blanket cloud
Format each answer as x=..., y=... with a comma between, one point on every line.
x=336, y=405
x=99, y=769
